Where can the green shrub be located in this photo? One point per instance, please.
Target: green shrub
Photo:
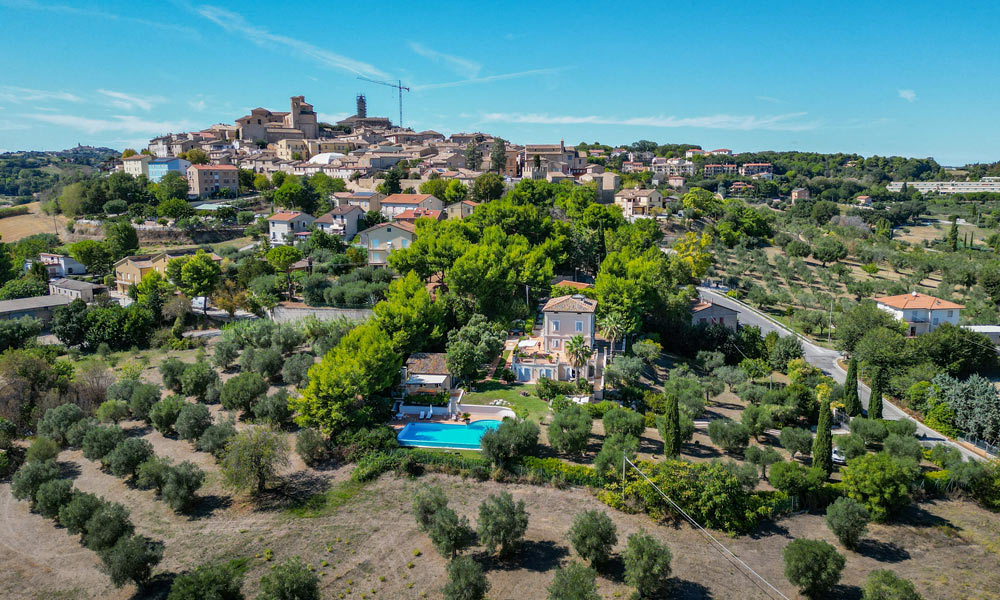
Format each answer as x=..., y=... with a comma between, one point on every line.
x=112, y=411
x=902, y=427
x=729, y=435
x=883, y=584
x=164, y=414
x=42, y=449
x=225, y=354
x=813, y=566
x=57, y=421
x=426, y=503
x=609, y=459
x=502, y=523
x=554, y=468
x=180, y=485
x=52, y=496
x=513, y=439
x=365, y=440
x=125, y=459
x=647, y=564
x=900, y=446
x=273, y=409
x=152, y=474
x=746, y=473
x=104, y=528
x=296, y=369
x=268, y=362
x=798, y=481
x=243, y=391
x=131, y=559
x=215, y=438
x=192, y=421
x=941, y=418
x=25, y=483
x=197, y=378
x=945, y=456
x=100, y=441
x=851, y=446
x=878, y=481
x=466, y=580
x=593, y=535
x=171, y=371
x=848, y=520
x=75, y=514
x=449, y=533
x=289, y=580
x=597, y=410
x=574, y=582
x=8, y=432
x=872, y=431
x=76, y=433
x=218, y=582
x=623, y=421
x=142, y=399
x=310, y=445
x=569, y=431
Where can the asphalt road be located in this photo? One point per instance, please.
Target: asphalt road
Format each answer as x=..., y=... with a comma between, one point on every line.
x=826, y=361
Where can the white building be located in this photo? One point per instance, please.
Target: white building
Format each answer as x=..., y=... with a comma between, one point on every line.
x=58, y=265
x=920, y=312
x=288, y=223
x=986, y=184
x=137, y=165
x=341, y=221
x=565, y=317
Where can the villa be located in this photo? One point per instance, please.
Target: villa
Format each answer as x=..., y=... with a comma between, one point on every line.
x=565, y=317
x=921, y=313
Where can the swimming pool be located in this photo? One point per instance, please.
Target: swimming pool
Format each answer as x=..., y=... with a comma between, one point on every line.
x=445, y=435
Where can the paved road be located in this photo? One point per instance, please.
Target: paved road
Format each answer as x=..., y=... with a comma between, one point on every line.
x=826, y=360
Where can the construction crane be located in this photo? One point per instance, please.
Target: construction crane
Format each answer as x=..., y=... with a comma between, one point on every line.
x=399, y=86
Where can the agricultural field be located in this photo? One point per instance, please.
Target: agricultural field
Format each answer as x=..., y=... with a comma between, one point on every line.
x=21, y=226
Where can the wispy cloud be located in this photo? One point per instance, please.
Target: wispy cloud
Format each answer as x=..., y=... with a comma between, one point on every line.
x=487, y=79
x=785, y=122
x=332, y=117
x=127, y=124
x=129, y=101
x=88, y=12
x=15, y=95
x=908, y=95
x=462, y=66
x=234, y=23
x=770, y=99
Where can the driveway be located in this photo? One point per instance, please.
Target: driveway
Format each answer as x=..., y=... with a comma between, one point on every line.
x=826, y=361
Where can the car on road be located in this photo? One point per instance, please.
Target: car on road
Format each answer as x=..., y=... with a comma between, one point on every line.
x=838, y=457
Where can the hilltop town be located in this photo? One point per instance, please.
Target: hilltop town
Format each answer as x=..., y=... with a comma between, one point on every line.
x=284, y=358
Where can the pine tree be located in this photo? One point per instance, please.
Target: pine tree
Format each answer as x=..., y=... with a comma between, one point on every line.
x=875, y=402
x=852, y=404
x=671, y=430
x=822, y=449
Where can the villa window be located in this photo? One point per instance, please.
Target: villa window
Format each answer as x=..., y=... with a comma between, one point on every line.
x=951, y=313
x=579, y=325
x=555, y=325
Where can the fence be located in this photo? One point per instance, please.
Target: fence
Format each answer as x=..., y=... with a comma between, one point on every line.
x=981, y=444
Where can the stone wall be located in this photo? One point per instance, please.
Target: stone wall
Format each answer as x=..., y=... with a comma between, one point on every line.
x=289, y=314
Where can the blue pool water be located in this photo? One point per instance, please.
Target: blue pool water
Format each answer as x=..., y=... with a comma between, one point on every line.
x=445, y=435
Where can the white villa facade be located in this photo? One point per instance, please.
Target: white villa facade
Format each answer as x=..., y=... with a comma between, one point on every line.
x=921, y=313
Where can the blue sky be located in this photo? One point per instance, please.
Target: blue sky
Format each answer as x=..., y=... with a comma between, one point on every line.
x=908, y=78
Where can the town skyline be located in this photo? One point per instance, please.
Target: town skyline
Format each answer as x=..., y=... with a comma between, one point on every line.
x=522, y=82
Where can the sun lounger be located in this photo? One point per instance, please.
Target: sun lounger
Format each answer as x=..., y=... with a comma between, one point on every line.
x=421, y=415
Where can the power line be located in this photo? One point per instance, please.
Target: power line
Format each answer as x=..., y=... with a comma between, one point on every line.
x=741, y=566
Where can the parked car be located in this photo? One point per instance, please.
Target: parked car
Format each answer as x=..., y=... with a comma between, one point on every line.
x=838, y=457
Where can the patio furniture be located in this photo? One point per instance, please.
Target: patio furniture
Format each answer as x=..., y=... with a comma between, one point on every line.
x=421, y=415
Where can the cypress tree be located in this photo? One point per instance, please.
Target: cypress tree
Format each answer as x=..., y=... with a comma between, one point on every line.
x=852, y=404
x=670, y=428
x=875, y=402
x=822, y=449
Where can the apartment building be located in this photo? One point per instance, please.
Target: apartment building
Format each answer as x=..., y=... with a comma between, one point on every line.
x=158, y=167
x=205, y=180
x=714, y=169
x=283, y=227
x=137, y=165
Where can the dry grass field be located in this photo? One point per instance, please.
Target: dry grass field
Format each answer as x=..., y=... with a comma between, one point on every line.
x=21, y=226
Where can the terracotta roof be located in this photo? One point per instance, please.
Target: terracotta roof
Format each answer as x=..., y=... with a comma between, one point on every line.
x=214, y=167
x=427, y=363
x=633, y=193
x=406, y=198
x=340, y=210
x=701, y=305
x=400, y=224
x=574, y=303
x=137, y=157
x=580, y=285
x=916, y=300
x=418, y=213
x=284, y=216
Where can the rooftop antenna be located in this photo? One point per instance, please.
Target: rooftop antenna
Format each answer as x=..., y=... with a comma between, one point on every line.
x=399, y=87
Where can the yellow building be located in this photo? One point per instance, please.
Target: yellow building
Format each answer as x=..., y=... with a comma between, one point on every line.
x=130, y=270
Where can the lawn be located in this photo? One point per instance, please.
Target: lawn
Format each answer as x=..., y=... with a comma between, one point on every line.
x=531, y=406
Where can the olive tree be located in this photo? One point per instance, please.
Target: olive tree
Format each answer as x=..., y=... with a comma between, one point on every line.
x=574, y=582
x=290, y=579
x=647, y=564
x=593, y=535
x=502, y=523
x=132, y=558
x=848, y=520
x=813, y=566
x=253, y=457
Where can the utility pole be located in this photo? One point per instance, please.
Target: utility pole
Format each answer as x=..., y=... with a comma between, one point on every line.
x=399, y=87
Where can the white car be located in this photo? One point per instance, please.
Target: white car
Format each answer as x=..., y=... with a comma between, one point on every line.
x=837, y=457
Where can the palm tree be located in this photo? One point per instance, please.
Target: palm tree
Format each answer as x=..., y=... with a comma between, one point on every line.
x=615, y=325
x=578, y=352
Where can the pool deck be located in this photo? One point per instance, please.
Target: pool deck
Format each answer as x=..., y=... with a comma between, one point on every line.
x=400, y=423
